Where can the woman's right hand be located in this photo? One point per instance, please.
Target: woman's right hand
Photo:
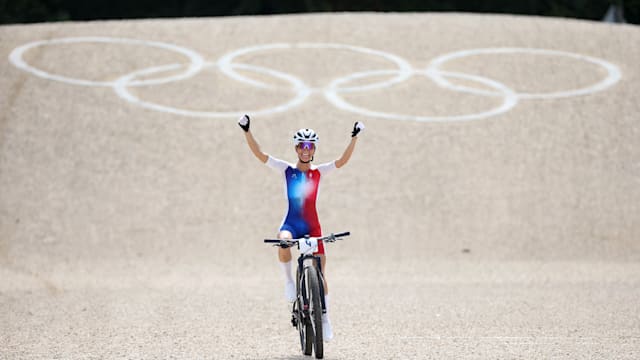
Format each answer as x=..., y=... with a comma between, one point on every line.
x=244, y=122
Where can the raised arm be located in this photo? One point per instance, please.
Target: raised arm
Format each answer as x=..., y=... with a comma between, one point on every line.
x=342, y=161
x=244, y=123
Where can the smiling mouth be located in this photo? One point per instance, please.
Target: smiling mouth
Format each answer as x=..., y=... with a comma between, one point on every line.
x=305, y=156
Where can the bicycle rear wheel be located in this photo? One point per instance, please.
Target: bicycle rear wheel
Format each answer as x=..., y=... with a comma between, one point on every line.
x=315, y=310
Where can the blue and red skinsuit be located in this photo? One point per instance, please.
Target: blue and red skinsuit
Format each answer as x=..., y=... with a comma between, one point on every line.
x=302, y=191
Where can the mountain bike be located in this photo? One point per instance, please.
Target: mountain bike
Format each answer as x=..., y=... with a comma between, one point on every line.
x=307, y=309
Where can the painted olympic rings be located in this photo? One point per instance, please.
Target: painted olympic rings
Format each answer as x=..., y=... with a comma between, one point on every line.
x=334, y=92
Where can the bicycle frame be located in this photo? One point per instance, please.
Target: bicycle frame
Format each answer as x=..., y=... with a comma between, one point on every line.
x=307, y=311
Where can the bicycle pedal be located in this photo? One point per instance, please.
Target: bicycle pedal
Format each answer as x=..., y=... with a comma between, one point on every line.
x=294, y=321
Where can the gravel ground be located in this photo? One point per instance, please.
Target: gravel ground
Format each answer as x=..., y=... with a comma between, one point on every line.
x=131, y=230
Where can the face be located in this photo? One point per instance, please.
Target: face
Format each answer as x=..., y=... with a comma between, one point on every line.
x=305, y=151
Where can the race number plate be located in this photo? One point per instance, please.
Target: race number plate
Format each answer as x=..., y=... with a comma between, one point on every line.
x=308, y=246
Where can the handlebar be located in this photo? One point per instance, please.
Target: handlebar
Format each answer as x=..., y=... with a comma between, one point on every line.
x=285, y=243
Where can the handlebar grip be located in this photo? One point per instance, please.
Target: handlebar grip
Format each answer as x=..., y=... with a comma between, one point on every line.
x=283, y=243
x=346, y=233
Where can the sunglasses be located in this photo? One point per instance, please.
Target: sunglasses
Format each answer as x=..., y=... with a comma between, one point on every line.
x=306, y=145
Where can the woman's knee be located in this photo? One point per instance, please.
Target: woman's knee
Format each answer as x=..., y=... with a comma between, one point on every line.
x=284, y=255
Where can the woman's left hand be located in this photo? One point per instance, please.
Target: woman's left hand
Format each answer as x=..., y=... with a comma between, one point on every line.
x=358, y=127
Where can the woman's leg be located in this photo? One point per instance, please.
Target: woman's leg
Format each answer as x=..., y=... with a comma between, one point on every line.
x=323, y=262
x=284, y=256
x=327, y=331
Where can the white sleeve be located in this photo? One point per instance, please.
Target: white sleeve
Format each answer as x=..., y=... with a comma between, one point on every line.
x=326, y=167
x=277, y=164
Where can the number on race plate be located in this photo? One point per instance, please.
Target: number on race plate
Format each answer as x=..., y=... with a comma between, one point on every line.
x=308, y=246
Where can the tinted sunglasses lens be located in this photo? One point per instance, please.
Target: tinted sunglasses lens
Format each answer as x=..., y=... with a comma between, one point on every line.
x=306, y=145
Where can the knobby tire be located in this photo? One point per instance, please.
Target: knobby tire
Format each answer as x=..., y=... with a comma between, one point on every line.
x=305, y=329
x=315, y=310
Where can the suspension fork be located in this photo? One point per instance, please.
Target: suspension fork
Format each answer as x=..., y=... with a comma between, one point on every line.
x=314, y=261
x=302, y=280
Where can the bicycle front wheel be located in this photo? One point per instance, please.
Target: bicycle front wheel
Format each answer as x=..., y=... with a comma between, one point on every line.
x=305, y=329
x=315, y=310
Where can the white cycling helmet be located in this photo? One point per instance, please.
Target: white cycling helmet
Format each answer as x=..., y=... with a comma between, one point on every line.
x=305, y=135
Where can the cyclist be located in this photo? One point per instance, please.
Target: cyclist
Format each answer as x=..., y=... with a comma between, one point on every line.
x=302, y=180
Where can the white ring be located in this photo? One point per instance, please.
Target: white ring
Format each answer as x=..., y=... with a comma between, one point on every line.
x=510, y=97
x=404, y=67
x=613, y=72
x=196, y=62
x=121, y=88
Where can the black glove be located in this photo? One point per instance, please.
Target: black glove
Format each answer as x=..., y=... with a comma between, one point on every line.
x=244, y=123
x=284, y=244
x=357, y=128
